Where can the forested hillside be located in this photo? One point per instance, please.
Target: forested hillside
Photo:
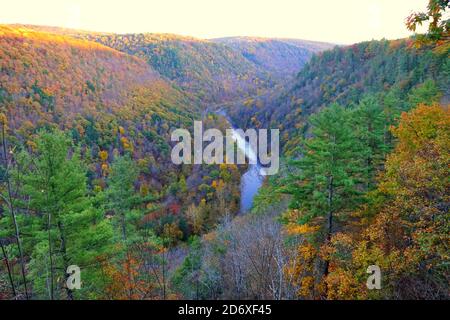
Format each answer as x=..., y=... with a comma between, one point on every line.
x=213, y=72
x=365, y=176
x=87, y=180
x=216, y=71
x=89, y=90
x=281, y=57
x=86, y=169
x=390, y=70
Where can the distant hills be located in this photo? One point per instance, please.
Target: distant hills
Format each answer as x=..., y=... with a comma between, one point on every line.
x=90, y=91
x=125, y=93
x=281, y=57
x=216, y=70
x=391, y=70
x=262, y=81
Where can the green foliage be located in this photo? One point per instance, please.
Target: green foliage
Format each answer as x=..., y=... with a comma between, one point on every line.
x=371, y=131
x=426, y=93
x=66, y=228
x=121, y=196
x=346, y=74
x=187, y=278
x=330, y=168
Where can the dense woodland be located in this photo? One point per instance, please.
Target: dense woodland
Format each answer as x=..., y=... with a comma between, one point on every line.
x=387, y=70
x=86, y=176
x=216, y=71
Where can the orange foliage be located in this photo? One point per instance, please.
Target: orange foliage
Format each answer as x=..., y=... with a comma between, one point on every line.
x=408, y=237
x=125, y=283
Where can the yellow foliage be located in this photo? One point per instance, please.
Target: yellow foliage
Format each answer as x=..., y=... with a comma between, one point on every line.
x=105, y=169
x=306, y=286
x=297, y=229
x=3, y=119
x=144, y=190
x=103, y=156
x=32, y=145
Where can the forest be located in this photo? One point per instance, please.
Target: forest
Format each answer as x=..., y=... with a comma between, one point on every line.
x=86, y=176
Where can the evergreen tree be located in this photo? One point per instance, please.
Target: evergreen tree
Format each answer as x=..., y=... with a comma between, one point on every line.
x=329, y=171
x=393, y=106
x=369, y=123
x=121, y=195
x=8, y=199
x=69, y=230
x=187, y=277
x=427, y=93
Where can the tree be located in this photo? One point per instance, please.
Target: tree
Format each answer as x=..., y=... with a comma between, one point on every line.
x=328, y=173
x=439, y=27
x=123, y=200
x=393, y=105
x=426, y=93
x=121, y=193
x=56, y=188
x=405, y=230
x=8, y=199
x=187, y=277
x=370, y=123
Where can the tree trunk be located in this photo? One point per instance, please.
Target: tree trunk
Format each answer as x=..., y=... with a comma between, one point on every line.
x=13, y=214
x=124, y=226
x=329, y=222
x=66, y=262
x=50, y=253
x=164, y=276
x=11, y=281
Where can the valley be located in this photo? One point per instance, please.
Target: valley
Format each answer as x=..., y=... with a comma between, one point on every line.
x=86, y=120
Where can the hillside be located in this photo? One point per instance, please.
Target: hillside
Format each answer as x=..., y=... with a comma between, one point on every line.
x=281, y=57
x=91, y=129
x=344, y=75
x=90, y=90
x=212, y=72
x=64, y=76
x=217, y=70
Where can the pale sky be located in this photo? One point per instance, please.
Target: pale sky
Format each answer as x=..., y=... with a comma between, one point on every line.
x=337, y=21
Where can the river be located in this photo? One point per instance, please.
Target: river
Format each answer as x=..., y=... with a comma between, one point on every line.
x=253, y=178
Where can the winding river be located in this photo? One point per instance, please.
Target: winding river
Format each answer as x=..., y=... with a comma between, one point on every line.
x=253, y=178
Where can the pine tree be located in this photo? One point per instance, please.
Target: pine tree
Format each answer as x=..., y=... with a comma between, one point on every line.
x=393, y=106
x=122, y=199
x=329, y=171
x=369, y=123
x=56, y=188
x=426, y=93
x=121, y=194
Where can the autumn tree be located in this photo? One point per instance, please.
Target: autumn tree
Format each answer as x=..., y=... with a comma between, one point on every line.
x=405, y=229
x=437, y=17
x=416, y=196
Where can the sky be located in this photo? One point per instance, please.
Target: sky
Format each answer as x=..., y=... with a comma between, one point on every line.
x=337, y=21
